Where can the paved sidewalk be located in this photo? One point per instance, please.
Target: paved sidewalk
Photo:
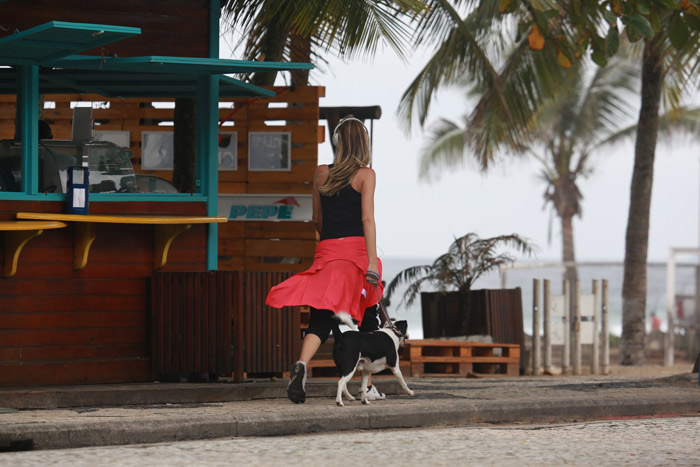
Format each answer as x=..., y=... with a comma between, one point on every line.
x=151, y=413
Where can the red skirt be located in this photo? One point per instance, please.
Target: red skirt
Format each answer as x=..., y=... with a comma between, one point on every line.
x=335, y=281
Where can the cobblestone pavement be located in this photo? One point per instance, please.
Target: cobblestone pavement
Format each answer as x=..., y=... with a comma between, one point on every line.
x=436, y=403
x=650, y=441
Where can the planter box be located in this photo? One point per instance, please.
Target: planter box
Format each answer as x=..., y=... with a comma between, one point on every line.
x=494, y=312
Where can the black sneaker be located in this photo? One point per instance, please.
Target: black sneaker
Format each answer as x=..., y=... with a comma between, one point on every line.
x=297, y=382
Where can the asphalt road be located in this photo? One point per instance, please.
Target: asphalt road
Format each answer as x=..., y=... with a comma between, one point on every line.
x=639, y=442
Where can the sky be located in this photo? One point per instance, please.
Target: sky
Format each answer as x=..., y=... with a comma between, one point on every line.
x=418, y=219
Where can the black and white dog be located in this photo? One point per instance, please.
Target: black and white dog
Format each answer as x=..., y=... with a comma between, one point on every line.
x=369, y=352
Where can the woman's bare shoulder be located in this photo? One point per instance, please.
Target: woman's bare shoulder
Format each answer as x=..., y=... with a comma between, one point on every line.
x=365, y=177
x=366, y=173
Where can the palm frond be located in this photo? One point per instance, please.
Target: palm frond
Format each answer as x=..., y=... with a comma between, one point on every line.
x=346, y=27
x=445, y=147
x=462, y=54
x=416, y=276
x=502, y=117
x=680, y=122
x=467, y=258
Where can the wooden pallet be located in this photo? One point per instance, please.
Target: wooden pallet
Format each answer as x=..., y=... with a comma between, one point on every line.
x=443, y=358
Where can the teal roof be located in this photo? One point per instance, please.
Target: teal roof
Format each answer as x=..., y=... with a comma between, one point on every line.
x=127, y=84
x=228, y=84
x=160, y=64
x=57, y=39
x=54, y=47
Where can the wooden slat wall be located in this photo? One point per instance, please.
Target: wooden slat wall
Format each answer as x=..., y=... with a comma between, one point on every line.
x=191, y=323
x=168, y=27
x=249, y=246
x=506, y=317
x=270, y=337
x=259, y=246
x=217, y=322
x=60, y=326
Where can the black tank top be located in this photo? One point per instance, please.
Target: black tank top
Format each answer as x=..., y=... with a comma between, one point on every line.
x=342, y=214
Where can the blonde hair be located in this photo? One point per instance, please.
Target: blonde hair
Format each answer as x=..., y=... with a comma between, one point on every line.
x=351, y=153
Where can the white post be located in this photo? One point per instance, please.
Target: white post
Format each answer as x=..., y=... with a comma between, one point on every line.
x=670, y=305
x=535, y=326
x=595, y=358
x=576, y=337
x=547, y=329
x=605, y=331
x=566, y=323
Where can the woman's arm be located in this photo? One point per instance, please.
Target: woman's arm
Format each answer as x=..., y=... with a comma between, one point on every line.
x=320, y=176
x=368, y=180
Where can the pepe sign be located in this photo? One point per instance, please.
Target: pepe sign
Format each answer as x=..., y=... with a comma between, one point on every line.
x=265, y=207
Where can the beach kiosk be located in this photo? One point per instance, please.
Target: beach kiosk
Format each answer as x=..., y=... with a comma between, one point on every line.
x=75, y=298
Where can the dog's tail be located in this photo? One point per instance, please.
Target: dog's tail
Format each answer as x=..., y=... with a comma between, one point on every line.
x=342, y=318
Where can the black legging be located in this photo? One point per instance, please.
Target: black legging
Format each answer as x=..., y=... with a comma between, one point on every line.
x=321, y=322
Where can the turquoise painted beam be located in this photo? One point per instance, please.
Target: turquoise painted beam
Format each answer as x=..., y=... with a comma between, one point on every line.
x=123, y=84
x=28, y=102
x=57, y=39
x=163, y=64
x=243, y=87
x=207, y=157
x=212, y=163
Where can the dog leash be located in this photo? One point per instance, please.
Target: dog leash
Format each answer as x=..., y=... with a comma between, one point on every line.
x=387, y=322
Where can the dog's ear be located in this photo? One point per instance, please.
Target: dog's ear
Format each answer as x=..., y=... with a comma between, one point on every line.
x=402, y=326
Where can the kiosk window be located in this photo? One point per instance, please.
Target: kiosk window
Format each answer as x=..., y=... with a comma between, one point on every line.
x=111, y=169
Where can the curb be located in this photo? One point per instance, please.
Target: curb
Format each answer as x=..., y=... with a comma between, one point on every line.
x=155, y=394
x=193, y=427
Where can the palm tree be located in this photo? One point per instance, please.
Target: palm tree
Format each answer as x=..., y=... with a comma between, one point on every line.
x=562, y=33
x=564, y=133
x=661, y=65
x=276, y=30
x=468, y=258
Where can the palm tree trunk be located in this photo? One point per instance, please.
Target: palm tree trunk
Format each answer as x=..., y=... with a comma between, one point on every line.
x=634, y=286
x=273, y=49
x=568, y=255
x=300, y=51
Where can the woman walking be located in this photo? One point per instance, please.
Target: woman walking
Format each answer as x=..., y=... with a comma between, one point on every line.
x=345, y=273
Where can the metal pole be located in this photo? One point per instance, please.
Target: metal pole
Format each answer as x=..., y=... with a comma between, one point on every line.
x=547, y=329
x=535, y=326
x=693, y=335
x=576, y=337
x=670, y=302
x=605, y=331
x=566, y=323
x=595, y=358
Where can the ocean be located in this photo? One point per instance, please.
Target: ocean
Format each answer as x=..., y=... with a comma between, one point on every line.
x=523, y=278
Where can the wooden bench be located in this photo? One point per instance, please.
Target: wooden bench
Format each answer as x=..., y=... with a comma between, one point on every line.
x=16, y=234
x=445, y=358
x=166, y=229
